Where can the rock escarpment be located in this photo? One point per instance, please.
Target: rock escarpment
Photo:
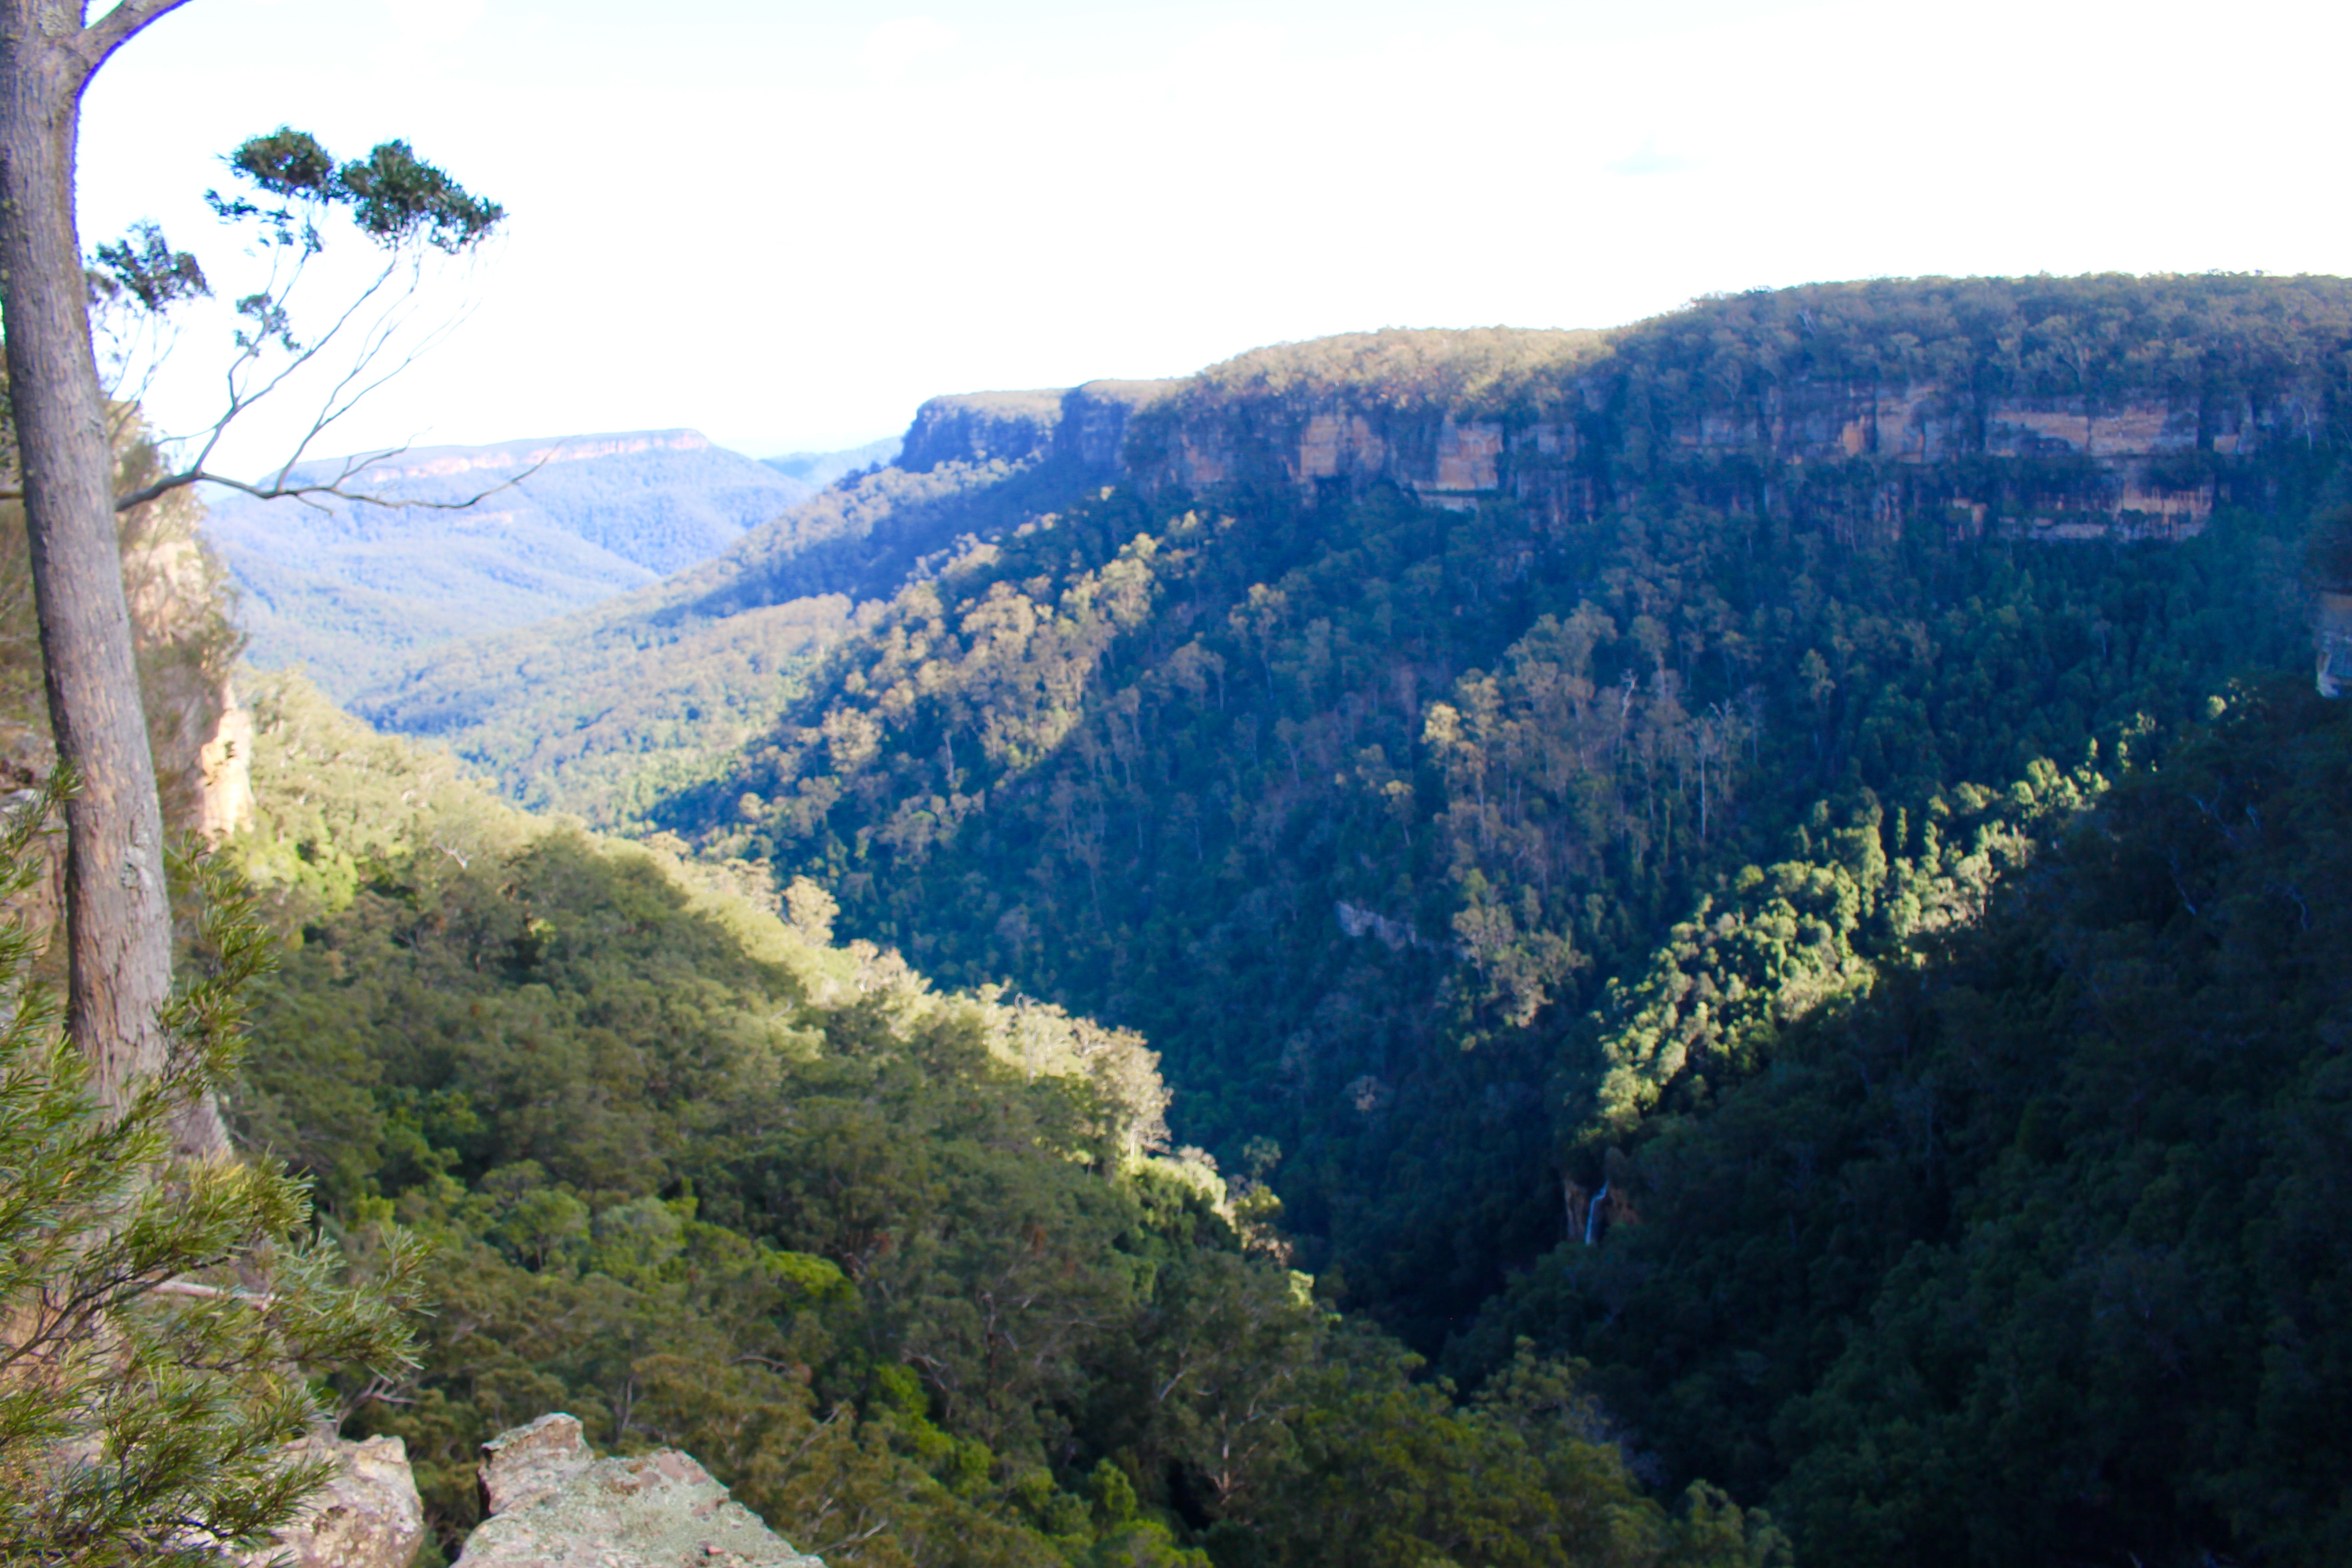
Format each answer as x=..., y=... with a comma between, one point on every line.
x=2057, y=409
x=1084, y=428
x=981, y=428
x=553, y=1504
x=1096, y=418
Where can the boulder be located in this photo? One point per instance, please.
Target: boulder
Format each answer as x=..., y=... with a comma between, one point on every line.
x=369, y=1516
x=553, y=1504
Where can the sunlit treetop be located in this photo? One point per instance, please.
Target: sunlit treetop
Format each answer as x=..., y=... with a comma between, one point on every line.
x=392, y=195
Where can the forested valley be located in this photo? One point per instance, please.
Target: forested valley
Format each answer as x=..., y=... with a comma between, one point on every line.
x=1716, y=943
x=1467, y=865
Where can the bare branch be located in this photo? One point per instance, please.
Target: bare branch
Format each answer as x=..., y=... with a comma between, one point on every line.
x=118, y=26
x=374, y=319
x=212, y=1293
x=240, y=395
x=334, y=487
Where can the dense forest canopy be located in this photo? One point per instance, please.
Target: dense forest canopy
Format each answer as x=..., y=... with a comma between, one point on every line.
x=1532, y=821
x=1143, y=753
x=2055, y=1216
x=1714, y=943
x=918, y=1274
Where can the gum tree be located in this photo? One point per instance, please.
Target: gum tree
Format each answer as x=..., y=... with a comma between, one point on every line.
x=118, y=923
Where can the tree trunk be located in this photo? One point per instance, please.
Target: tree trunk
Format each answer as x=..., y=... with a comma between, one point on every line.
x=118, y=912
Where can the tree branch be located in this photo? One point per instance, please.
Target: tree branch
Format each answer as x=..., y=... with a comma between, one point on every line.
x=211, y=1292
x=118, y=26
x=334, y=487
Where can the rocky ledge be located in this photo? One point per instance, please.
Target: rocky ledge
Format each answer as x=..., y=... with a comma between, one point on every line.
x=367, y=1515
x=553, y=1504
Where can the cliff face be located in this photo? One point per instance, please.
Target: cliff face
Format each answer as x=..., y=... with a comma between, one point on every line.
x=2102, y=469
x=981, y=428
x=2059, y=409
x=1096, y=417
x=1085, y=426
x=186, y=645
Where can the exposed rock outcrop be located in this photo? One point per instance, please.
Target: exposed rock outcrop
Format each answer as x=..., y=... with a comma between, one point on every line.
x=553, y=1504
x=1095, y=419
x=369, y=1516
x=2048, y=443
x=2115, y=483
x=981, y=428
x=1084, y=426
x=225, y=770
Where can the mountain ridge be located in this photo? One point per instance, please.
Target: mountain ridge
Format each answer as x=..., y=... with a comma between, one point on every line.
x=1967, y=404
x=1170, y=741
x=354, y=589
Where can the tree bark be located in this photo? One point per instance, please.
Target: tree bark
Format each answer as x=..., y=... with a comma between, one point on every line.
x=118, y=910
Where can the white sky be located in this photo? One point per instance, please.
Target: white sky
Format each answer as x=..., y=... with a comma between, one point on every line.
x=786, y=224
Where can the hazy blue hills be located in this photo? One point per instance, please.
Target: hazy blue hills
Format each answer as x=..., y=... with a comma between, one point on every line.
x=605, y=710
x=355, y=590
x=821, y=468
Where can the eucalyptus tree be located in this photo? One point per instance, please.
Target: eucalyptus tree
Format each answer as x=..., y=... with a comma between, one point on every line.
x=118, y=923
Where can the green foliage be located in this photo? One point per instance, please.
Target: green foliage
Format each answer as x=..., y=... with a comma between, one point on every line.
x=603, y=715
x=1575, y=920
x=1442, y=371
x=158, y=1317
x=145, y=265
x=1462, y=862
x=912, y=1273
x=1387, y=1471
x=2329, y=554
x=2055, y=1216
x=1413, y=780
x=394, y=196
x=2099, y=336
x=610, y=712
x=1780, y=944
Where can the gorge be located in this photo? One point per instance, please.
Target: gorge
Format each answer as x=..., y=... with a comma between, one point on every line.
x=1712, y=943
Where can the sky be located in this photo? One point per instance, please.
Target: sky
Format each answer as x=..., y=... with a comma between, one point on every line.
x=786, y=225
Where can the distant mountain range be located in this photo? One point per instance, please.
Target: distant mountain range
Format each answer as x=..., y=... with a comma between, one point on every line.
x=608, y=709
x=354, y=590
x=821, y=468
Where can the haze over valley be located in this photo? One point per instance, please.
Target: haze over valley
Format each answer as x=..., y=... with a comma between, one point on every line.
x=352, y=588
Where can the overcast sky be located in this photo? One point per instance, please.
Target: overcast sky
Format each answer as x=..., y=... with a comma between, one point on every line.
x=786, y=224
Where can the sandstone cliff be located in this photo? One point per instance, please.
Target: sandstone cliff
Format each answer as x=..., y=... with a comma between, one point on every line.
x=1084, y=428
x=981, y=428
x=1977, y=404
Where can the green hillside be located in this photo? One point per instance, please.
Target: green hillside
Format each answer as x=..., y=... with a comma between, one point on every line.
x=916, y=1273
x=1461, y=753
x=1717, y=943
x=2037, y=1254
x=605, y=712
x=356, y=591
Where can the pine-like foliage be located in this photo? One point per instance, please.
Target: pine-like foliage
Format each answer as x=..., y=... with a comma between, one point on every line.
x=157, y=1316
